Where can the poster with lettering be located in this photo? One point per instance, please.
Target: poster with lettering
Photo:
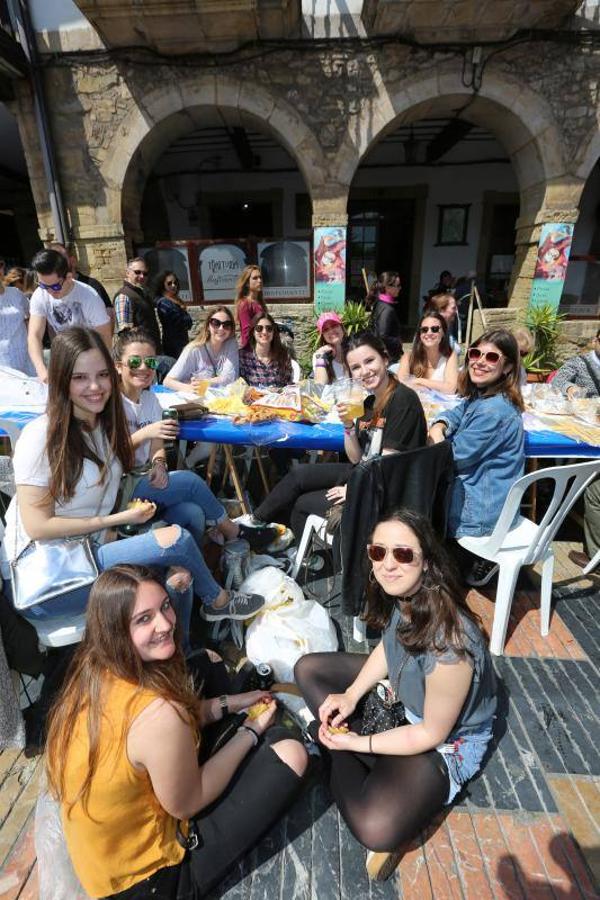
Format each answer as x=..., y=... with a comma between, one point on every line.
x=329, y=268
x=285, y=267
x=220, y=266
x=554, y=248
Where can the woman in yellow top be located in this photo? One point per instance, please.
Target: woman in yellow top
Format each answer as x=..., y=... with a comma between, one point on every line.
x=142, y=817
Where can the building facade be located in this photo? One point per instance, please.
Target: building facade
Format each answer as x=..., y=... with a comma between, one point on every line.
x=444, y=135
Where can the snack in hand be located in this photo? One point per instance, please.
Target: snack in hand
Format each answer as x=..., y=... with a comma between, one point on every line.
x=133, y=504
x=338, y=729
x=257, y=709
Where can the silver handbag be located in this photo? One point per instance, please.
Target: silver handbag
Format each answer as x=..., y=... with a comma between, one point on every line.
x=47, y=569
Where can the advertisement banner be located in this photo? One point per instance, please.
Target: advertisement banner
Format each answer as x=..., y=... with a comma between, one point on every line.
x=285, y=267
x=329, y=268
x=554, y=248
x=220, y=267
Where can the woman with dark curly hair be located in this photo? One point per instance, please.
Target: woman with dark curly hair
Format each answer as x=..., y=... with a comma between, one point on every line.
x=173, y=314
x=389, y=784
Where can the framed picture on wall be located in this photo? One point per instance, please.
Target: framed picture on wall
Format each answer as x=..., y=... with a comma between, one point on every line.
x=453, y=221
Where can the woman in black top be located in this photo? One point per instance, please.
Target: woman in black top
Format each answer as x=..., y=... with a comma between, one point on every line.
x=174, y=318
x=393, y=420
x=382, y=299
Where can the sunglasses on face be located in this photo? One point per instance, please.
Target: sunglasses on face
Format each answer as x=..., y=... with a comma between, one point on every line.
x=404, y=555
x=139, y=272
x=434, y=329
x=267, y=328
x=219, y=323
x=57, y=286
x=172, y=283
x=135, y=362
x=492, y=356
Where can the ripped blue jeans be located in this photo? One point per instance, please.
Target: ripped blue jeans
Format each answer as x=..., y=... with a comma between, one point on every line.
x=143, y=549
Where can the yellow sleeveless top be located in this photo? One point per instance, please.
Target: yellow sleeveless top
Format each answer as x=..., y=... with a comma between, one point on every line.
x=125, y=835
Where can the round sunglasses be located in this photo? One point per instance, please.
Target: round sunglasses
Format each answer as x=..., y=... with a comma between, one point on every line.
x=266, y=328
x=135, y=362
x=492, y=356
x=219, y=323
x=434, y=329
x=404, y=555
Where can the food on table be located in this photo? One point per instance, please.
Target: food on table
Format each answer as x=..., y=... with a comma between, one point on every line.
x=257, y=709
x=338, y=729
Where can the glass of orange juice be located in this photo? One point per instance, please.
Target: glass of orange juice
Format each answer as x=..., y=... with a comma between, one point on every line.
x=200, y=387
x=351, y=393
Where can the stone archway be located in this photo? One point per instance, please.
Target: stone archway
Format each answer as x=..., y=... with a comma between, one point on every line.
x=522, y=121
x=168, y=113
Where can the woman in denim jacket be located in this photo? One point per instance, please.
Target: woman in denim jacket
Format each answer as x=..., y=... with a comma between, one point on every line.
x=486, y=432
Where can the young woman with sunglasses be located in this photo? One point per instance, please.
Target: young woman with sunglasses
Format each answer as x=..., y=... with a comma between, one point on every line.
x=264, y=361
x=182, y=497
x=249, y=301
x=148, y=811
x=393, y=419
x=212, y=357
x=487, y=437
x=68, y=466
x=382, y=300
x=431, y=363
x=389, y=785
x=173, y=315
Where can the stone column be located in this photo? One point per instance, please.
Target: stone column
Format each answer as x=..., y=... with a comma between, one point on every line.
x=102, y=252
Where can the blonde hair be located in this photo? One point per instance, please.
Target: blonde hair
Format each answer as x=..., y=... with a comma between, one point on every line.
x=524, y=338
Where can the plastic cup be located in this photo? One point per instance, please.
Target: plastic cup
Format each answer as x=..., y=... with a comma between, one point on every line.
x=200, y=387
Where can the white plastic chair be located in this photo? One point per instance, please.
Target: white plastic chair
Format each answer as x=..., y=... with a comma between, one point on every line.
x=527, y=543
x=592, y=563
x=316, y=526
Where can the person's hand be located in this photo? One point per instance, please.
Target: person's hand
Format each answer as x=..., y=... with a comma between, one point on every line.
x=335, y=709
x=264, y=721
x=178, y=578
x=159, y=475
x=574, y=392
x=164, y=430
x=336, y=495
x=324, y=351
x=346, y=741
x=342, y=407
x=138, y=514
x=238, y=702
x=437, y=433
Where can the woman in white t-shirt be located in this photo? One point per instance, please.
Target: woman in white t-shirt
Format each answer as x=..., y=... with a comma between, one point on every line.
x=68, y=467
x=182, y=497
x=212, y=357
x=430, y=363
x=14, y=312
x=328, y=359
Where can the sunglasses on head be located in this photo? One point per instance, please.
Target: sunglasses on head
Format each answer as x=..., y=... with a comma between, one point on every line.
x=267, y=328
x=404, y=555
x=135, y=362
x=57, y=286
x=434, y=329
x=492, y=356
x=219, y=323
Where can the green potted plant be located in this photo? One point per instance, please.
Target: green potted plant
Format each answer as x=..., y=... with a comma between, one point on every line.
x=544, y=324
x=355, y=318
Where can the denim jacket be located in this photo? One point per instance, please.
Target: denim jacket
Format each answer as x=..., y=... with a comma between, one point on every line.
x=488, y=444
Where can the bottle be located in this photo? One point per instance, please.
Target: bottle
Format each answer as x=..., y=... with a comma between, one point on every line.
x=170, y=413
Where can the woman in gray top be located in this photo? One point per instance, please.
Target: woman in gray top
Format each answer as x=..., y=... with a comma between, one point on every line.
x=389, y=784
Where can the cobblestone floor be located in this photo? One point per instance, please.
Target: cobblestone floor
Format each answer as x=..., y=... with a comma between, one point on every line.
x=527, y=827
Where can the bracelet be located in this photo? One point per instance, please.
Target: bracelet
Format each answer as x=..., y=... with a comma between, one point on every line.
x=320, y=365
x=349, y=429
x=224, y=705
x=370, y=743
x=250, y=731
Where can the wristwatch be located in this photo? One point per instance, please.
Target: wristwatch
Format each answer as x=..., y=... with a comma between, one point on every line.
x=224, y=705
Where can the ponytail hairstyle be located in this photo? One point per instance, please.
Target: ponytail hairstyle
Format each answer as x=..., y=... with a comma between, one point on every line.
x=368, y=339
x=129, y=336
x=385, y=281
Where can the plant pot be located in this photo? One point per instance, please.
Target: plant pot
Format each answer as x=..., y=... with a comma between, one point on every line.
x=537, y=377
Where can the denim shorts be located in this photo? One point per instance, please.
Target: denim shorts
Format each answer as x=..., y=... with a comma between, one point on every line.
x=464, y=760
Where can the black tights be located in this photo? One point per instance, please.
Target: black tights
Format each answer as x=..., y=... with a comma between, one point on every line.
x=385, y=800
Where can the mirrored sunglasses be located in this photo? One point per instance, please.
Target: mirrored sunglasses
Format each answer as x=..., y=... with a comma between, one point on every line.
x=267, y=328
x=492, y=357
x=404, y=555
x=434, y=329
x=219, y=323
x=57, y=286
x=135, y=362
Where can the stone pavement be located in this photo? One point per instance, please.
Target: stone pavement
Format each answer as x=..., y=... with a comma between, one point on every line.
x=527, y=827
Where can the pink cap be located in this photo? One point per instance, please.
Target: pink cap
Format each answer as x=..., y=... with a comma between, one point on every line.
x=327, y=318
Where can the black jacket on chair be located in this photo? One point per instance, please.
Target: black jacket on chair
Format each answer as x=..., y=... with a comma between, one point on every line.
x=419, y=480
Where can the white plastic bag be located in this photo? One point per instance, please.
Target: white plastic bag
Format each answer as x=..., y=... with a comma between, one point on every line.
x=288, y=626
x=56, y=876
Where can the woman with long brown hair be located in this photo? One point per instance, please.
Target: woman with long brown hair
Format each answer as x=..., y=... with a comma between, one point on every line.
x=68, y=466
x=211, y=358
x=431, y=362
x=388, y=784
x=142, y=816
x=249, y=301
x=265, y=361
x=487, y=437
x=393, y=420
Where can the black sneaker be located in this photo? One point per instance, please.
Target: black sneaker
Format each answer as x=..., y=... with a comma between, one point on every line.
x=258, y=538
x=241, y=606
x=482, y=571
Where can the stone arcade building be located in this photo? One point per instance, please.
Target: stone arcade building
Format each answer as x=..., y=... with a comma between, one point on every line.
x=125, y=80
